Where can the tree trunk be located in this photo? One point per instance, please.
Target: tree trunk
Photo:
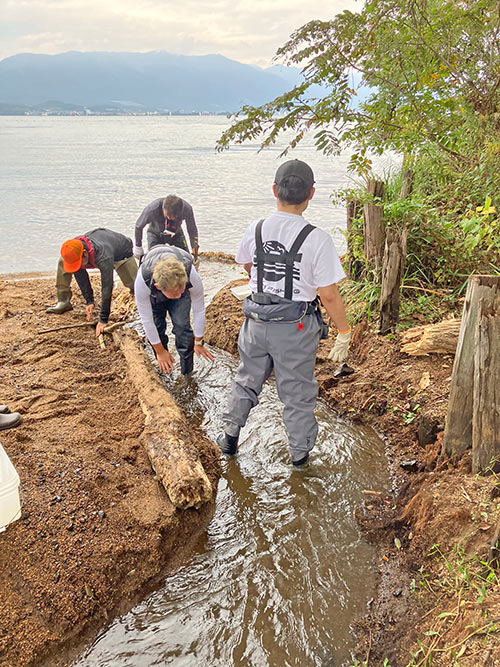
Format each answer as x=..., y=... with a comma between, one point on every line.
x=354, y=266
x=373, y=226
x=486, y=406
x=166, y=435
x=392, y=273
x=440, y=338
x=482, y=298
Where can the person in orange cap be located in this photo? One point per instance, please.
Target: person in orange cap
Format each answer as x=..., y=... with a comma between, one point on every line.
x=101, y=249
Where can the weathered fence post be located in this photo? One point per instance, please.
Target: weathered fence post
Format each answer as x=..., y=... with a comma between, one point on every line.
x=406, y=183
x=486, y=405
x=354, y=266
x=476, y=374
x=373, y=226
x=392, y=273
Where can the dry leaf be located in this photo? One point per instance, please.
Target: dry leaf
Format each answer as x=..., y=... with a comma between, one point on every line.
x=484, y=526
x=425, y=380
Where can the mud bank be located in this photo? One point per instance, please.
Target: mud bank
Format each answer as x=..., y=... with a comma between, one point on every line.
x=435, y=501
x=97, y=530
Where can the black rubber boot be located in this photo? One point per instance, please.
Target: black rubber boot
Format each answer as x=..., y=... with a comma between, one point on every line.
x=228, y=443
x=300, y=462
x=10, y=420
x=60, y=307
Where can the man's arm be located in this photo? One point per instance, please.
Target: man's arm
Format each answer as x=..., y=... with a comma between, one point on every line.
x=142, y=221
x=332, y=301
x=191, y=227
x=82, y=278
x=198, y=306
x=106, y=269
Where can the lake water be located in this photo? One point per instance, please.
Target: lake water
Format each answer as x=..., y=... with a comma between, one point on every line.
x=63, y=176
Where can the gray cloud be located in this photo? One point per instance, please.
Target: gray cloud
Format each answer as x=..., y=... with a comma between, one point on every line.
x=246, y=30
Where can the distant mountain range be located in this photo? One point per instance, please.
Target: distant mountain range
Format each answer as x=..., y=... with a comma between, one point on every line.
x=136, y=82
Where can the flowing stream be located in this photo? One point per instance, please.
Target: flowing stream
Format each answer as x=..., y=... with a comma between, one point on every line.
x=282, y=570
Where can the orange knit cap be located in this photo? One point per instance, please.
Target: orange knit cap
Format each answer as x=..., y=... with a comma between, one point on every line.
x=71, y=253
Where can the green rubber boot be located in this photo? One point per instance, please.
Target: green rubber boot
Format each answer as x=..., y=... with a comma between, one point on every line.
x=60, y=307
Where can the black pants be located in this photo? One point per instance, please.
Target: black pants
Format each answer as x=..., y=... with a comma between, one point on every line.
x=179, y=240
x=179, y=310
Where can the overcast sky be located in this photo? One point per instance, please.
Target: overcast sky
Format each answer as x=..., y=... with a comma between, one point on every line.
x=246, y=30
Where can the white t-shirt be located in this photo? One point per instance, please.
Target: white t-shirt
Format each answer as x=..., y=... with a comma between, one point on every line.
x=317, y=264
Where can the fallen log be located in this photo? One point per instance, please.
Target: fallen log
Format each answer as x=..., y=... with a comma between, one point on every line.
x=165, y=434
x=440, y=338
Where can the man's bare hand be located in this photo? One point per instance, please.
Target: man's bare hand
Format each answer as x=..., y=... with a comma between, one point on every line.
x=88, y=311
x=165, y=361
x=201, y=351
x=100, y=328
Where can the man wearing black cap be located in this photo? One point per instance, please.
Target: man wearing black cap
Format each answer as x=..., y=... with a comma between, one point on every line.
x=290, y=264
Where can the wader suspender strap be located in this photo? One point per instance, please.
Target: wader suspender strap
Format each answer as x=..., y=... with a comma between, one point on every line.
x=261, y=256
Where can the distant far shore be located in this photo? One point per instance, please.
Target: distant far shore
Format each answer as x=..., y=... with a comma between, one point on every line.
x=13, y=110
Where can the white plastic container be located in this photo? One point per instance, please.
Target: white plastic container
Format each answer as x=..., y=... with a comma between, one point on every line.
x=10, y=502
x=241, y=291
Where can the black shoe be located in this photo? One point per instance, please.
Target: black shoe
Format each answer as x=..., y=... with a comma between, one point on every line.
x=228, y=443
x=301, y=461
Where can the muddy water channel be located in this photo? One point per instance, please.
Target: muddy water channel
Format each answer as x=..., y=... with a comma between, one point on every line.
x=283, y=569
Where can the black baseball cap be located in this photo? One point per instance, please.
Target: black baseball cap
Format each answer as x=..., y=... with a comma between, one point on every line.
x=295, y=168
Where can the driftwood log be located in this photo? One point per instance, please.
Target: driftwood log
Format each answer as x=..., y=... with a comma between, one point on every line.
x=174, y=461
x=440, y=338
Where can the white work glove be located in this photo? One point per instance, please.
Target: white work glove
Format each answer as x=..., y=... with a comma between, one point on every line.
x=339, y=351
x=138, y=251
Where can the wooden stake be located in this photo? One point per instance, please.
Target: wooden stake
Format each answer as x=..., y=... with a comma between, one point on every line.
x=392, y=273
x=373, y=225
x=482, y=301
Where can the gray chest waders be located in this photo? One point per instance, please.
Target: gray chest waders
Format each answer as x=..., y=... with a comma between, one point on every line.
x=276, y=336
